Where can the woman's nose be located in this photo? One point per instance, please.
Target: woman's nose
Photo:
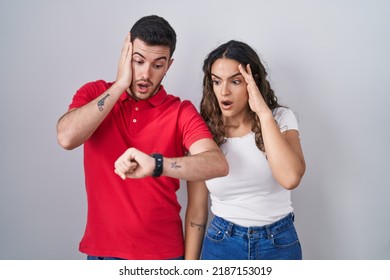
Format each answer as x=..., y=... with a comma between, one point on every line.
x=224, y=90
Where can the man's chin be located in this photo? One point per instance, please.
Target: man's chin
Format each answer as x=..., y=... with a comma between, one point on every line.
x=143, y=96
x=138, y=95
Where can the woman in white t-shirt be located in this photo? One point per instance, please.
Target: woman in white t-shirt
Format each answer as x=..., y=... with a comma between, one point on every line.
x=260, y=139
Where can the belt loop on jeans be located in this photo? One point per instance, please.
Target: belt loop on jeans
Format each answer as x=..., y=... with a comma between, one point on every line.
x=269, y=233
x=229, y=229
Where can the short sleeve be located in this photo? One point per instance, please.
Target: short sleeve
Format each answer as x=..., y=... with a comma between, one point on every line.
x=87, y=93
x=192, y=125
x=286, y=119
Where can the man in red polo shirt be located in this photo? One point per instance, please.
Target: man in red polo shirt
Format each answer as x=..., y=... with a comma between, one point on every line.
x=136, y=139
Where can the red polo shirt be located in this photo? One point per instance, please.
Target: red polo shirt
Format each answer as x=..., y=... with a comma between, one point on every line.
x=135, y=218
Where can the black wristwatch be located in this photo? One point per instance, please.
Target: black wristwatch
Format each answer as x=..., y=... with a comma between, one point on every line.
x=158, y=169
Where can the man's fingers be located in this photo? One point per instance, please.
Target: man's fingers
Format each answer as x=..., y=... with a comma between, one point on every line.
x=125, y=48
x=120, y=174
x=124, y=167
x=129, y=49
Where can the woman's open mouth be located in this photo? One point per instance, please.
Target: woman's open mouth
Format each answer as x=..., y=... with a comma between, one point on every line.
x=226, y=104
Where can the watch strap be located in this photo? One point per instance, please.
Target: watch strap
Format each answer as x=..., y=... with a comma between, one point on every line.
x=158, y=169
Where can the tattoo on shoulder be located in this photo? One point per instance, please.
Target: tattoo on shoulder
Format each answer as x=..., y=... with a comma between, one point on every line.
x=199, y=226
x=100, y=103
x=175, y=165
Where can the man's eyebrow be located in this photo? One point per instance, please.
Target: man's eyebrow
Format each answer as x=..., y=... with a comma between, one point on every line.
x=232, y=76
x=161, y=57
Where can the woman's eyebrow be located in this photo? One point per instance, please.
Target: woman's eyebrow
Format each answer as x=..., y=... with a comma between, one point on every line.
x=232, y=76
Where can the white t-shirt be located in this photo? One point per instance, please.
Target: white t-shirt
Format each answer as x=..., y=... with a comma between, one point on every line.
x=249, y=195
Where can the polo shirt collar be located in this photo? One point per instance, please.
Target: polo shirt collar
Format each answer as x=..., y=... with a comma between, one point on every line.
x=155, y=100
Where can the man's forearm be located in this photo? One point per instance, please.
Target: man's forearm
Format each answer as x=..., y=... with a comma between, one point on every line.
x=199, y=167
x=77, y=125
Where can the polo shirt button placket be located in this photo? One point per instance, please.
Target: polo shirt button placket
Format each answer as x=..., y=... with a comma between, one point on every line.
x=134, y=120
x=136, y=109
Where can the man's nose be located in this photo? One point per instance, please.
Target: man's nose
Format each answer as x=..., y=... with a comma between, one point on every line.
x=146, y=70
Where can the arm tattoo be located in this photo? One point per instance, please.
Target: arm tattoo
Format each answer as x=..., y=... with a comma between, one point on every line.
x=199, y=226
x=101, y=102
x=174, y=165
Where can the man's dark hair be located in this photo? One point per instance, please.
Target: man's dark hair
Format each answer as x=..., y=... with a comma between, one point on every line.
x=154, y=31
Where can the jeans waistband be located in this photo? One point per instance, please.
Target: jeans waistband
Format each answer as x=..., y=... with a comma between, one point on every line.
x=253, y=232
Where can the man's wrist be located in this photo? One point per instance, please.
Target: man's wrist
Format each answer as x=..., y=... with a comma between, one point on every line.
x=117, y=88
x=159, y=161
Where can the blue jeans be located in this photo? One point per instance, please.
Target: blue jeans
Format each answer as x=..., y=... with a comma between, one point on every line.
x=227, y=241
x=96, y=258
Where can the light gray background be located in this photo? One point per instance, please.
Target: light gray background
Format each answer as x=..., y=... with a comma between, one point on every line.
x=327, y=60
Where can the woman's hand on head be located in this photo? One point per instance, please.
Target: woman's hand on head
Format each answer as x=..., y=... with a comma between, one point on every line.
x=256, y=100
